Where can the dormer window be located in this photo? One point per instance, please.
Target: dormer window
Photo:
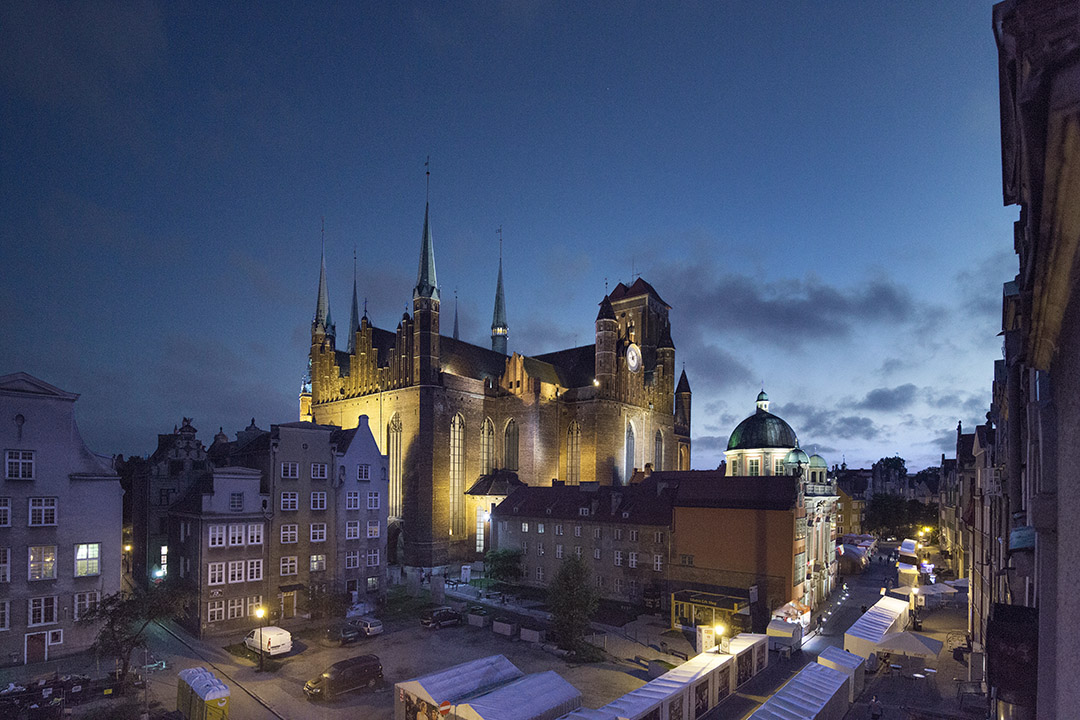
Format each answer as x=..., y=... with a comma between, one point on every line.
x=583, y=512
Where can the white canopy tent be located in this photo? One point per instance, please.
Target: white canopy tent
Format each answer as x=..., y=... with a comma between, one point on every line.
x=817, y=692
x=908, y=575
x=887, y=615
x=540, y=696
x=910, y=643
x=784, y=634
x=847, y=663
x=453, y=684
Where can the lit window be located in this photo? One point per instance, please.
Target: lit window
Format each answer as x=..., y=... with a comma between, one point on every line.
x=372, y=584
x=318, y=471
x=42, y=611
x=289, y=533
x=753, y=467
x=289, y=501
x=42, y=511
x=254, y=569
x=236, y=571
x=573, y=455
x=487, y=448
x=288, y=565
x=290, y=470
x=216, y=573
x=539, y=528
x=318, y=532
x=524, y=527
x=318, y=562
x=373, y=528
x=254, y=603
x=457, y=475
x=215, y=611
x=20, y=465
x=42, y=562
x=87, y=559
x=352, y=500
x=5, y=512
x=318, y=501
x=217, y=536
x=236, y=502
x=352, y=530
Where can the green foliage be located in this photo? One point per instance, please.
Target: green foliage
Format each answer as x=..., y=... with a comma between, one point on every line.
x=572, y=601
x=503, y=565
x=124, y=617
x=895, y=515
x=895, y=463
x=323, y=603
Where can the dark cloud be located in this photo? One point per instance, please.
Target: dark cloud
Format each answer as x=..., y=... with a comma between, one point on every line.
x=710, y=443
x=973, y=404
x=980, y=284
x=893, y=365
x=946, y=443
x=817, y=422
x=889, y=399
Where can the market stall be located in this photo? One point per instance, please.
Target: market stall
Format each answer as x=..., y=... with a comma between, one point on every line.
x=887, y=615
x=816, y=692
x=784, y=634
x=847, y=663
x=540, y=696
x=421, y=697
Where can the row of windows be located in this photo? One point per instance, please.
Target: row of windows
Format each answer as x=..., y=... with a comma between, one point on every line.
x=237, y=534
x=45, y=610
x=215, y=609
x=291, y=500
x=617, y=556
x=616, y=533
x=41, y=561
x=317, y=531
x=41, y=512
x=319, y=471
x=237, y=571
x=290, y=564
x=618, y=584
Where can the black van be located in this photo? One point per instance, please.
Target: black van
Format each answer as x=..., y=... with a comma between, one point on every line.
x=341, y=677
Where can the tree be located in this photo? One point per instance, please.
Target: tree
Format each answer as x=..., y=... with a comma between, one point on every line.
x=572, y=601
x=124, y=617
x=503, y=565
x=324, y=603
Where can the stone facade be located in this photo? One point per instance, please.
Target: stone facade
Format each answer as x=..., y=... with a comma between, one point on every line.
x=60, y=524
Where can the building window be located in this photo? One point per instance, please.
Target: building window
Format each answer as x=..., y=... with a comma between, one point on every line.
x=480, y=522
x=524, y=547
x=290, y=500
x=363, y=472
x=753, y=467
x=42, y=611
x=633, y=536
x=630, y=454
x=596, y=553
x=318, y=563
x=539, y=528
x=236, y=608
x=800, y=568
x=618, y=558
x=372, y=584
x=289, y=533
x=524, y=527
x=577, y=551
x=778, y=466
x=658, y=451
x=318, y=471
x=457, y=475
x=373, y=528
x=596, y=533
x=254, y=569
x=20, y=465
x=373, y=558
x=735, y=466
x=393, y=445
x=487, y=447
x=686, y=560
x=290, y=471
x=658, y=563
x=577, y=531
x=87, y=559
x=288, y=565
x=164, y=560
x=633, y=587
x=5, y=512
x=616, y=534
x=41, y=562
x=600, y=582
x=573, y=454
x=318, y=501
x=352, y=559
x=540, y=573
x=540, y=549
x=583, y=512
x=236, y=502
x=631, y=560
x=352, y=500
x=217, y=536
x=236, y=571
x=658, y=537
x=558, y=552
x=254, y=603
x=215, y=611
x=558, y=529
x=255, y=534
x=510, y=445
x=352, y=530
x=216, y=573
x=318, y=532
x=373, y=501
x=5, y=615
x=42, y=511
x=236, y=534
x=616, y=585
x=5, y=564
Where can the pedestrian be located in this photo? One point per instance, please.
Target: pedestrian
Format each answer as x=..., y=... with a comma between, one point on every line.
x=876, y=710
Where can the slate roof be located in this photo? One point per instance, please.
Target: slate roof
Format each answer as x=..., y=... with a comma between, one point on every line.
x=640, y=287
x=965, y=446
x=709, y=488
x=501, y=482
x=576, y=367
x=628, y=504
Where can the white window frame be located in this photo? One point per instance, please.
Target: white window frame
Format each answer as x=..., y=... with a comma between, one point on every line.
x=236, y=608
x=254, y=569
x=236, y=534
x=373, y=557
x=5, y=512
x=352, y=559
x=373, y=529
x=363, y=472
x=215, y=611
x=216, y=536
x=631, y=560
x=577, y=531
x=41, y=506
x=317, y=532
x=577, y=551
x=236, y=571
x=596, y=553
x=16, y=463
x=318, y=500
x=373, y=500
x=352, y=500
x=540, y=573
x=616, y=534
x=45, y=603
x=317, y=562
x=524, y=527
x=290, y=501
x=352, y=530
x=255, y=534
x=288, y=565
x=558, y=552
x=658, y=537
x=558, y=529
x=5, y=614
x=215, y=573
x=318, y=471
x=617, y=560
x=290, y=471
x=5, y=565
x=290, y=533
x=46, y=568
x=658, y=562
x=633, y=536
x=236, y=502
x=253, y=604
x=91, y=561
x=539, y=528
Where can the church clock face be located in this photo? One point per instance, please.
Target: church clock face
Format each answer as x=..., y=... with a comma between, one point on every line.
x=633, y=358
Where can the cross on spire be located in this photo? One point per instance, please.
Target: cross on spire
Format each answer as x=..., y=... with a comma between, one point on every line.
x=427, y=174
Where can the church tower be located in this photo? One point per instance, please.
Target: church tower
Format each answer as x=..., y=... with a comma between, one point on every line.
x=607, y=334
x=321, y=358
x=499, y=328
x=426, y=312
x=354, y=315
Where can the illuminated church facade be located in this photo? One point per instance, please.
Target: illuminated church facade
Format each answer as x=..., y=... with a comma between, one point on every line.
x=454, y=417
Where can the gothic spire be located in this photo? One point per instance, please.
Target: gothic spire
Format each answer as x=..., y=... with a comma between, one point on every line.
x=426, y=284
x=321, y=320
x=455, y=316
x=499, y=328
x=354, y=318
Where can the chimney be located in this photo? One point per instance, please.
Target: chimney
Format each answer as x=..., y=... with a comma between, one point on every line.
x=362, y=422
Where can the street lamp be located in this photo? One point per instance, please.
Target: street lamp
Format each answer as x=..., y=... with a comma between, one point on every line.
x=260, y=613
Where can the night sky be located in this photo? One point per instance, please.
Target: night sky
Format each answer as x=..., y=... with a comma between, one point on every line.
x=815, y=189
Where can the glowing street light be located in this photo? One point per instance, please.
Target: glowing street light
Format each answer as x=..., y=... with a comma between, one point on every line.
x=260, y=613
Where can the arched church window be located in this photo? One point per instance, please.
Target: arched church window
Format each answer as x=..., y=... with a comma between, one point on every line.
x=457, y=476
x=510, y=441
x=658, y=451
x=573, y=454
x=684, y=457
x=393, y=449
x=629, y=462
x=487, y=447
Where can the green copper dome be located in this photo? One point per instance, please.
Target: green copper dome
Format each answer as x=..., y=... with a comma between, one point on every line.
x=796, y=456
x=762, y=396
x=762, y=430
x=816, y=462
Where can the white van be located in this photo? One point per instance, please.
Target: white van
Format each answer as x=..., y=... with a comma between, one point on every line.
x=271, y=640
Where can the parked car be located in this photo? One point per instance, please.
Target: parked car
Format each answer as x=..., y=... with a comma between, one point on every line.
x=343, y=632
x=440, y=617
x=345, y=676
x=367, y=626
x=271, y=640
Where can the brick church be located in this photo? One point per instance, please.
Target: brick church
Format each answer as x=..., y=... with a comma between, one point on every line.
x=462, y=425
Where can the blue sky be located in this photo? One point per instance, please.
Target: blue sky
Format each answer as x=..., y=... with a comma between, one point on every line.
x=814, y=188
